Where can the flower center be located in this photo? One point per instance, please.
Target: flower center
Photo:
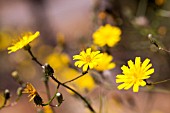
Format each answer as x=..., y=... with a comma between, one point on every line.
x=88, y=58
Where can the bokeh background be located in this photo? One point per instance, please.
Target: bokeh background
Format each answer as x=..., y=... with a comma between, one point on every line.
x=66, y=27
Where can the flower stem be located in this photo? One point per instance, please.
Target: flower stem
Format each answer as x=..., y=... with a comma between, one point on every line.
x=63, y=84
x=76, y=77
x=88, y=105
x=49, y=102
x=154, y=83
x=33, y=57
x=48, y=93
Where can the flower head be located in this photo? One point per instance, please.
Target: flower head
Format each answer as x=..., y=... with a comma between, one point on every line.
x=107, y=35
x=33, y=93
x=105, y=63
x=135, y=74
x=88, y=59
x=26, y=39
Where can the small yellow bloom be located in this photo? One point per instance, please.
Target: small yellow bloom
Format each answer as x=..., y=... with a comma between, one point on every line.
x=26, y=39
x=105, y=63
x=88, y=59
x=30, y=90
x=135, y=74
x=107, y=35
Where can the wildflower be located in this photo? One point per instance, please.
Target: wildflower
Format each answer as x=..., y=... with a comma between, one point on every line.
x=134, y=75
x=33, y=93
x=88, y=59
x=107, y=35
x=26, y=39
x=105, y=63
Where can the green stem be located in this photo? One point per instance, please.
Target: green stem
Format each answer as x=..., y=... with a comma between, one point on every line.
x=154, y=83
x=49, y=102
x=48, y=93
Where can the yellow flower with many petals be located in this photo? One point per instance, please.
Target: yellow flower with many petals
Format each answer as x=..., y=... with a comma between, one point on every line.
x=105, y=63
x=88, y=59
x=26, y=39
x=107, y=35
x=135, y=74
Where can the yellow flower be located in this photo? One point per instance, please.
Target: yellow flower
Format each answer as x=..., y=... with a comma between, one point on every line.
x=105, y=63
x=88, y=59
x=135, y=74
x=31, y=90
x=107, y=35
x=26, y=39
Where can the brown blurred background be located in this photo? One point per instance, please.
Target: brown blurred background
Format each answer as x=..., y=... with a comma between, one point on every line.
x=77, y=20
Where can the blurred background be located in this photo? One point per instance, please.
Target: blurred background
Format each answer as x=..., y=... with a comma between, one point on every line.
x=66, y=27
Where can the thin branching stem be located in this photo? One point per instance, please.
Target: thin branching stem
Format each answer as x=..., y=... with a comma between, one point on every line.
x=76, y=77
x=159, y=82
x=33, y=57
x=78, y=94
x=49, y=102
x=62, y=84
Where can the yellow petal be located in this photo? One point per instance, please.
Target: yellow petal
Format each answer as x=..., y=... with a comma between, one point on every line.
x=120, y=80
x=136, y=87
x=121, y=86
x=150, y=71
x=137, y=62
x=142, y=83
x=85, y=67
x=147, y=67
x=129, y=86
x=131, y=64
x=145, y=63
x=79, y=63
x=88, y=51
x=77, y=57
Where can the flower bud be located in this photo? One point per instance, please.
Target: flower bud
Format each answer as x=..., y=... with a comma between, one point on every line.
x=7, y=94
x=38, y=100
x=19, y=91
x=59, y=98
x=48, y=70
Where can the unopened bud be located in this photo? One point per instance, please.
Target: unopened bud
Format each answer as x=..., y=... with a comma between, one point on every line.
x=14, y=74
x=38, y=100
x=19, y=91
x=7, y=94
x=59, y=98
x=48, y=70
